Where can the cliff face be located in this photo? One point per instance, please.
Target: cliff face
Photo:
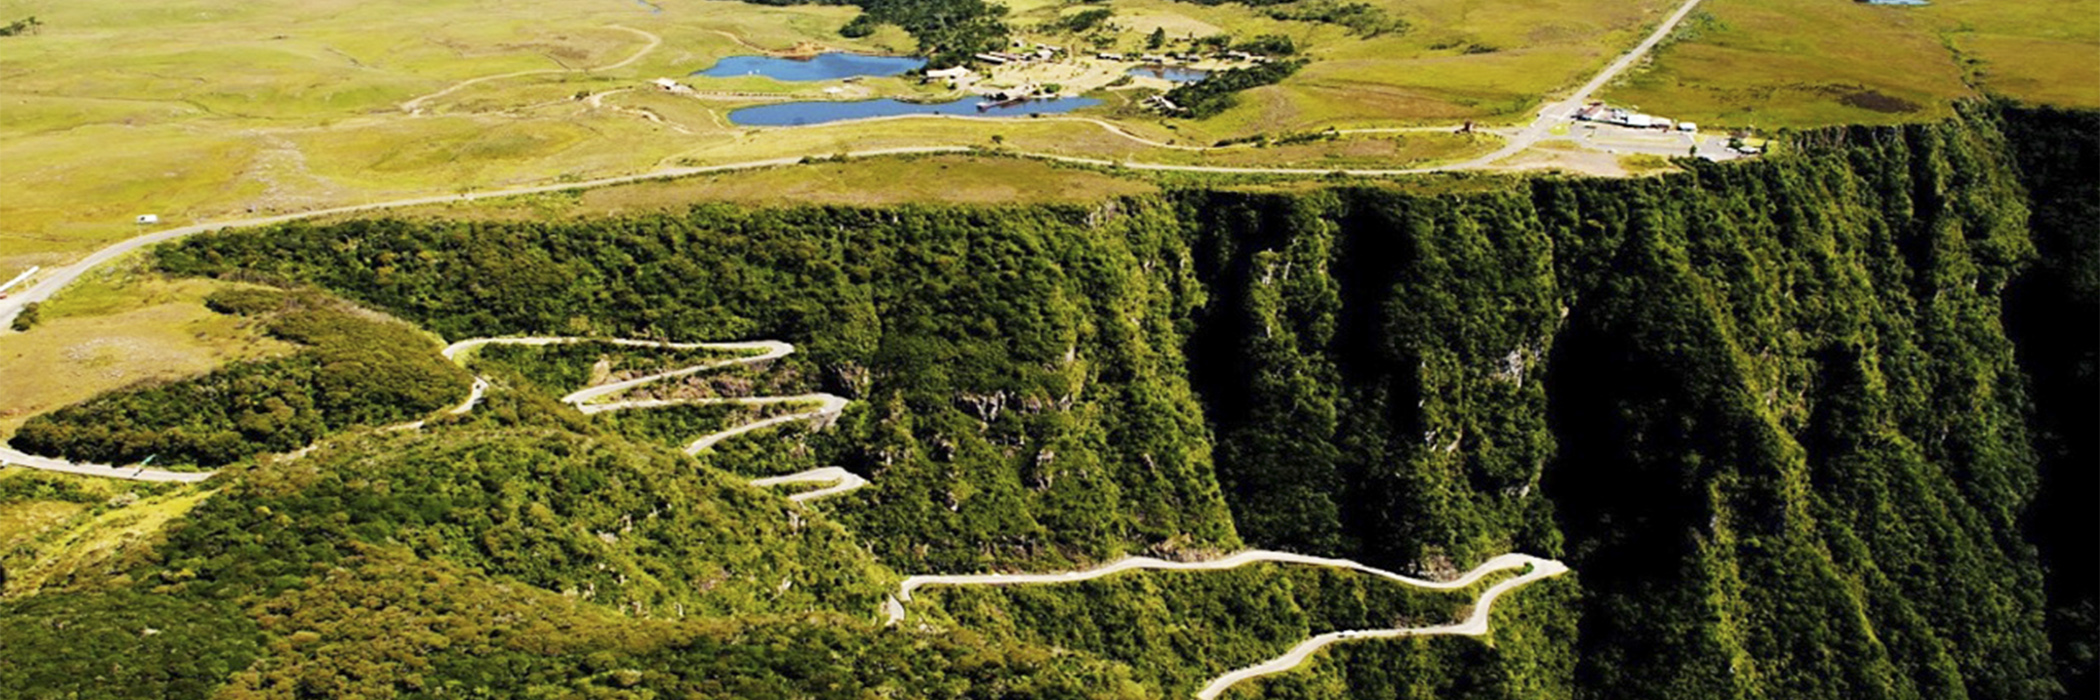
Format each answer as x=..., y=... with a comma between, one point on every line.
x=1769, y=412
x=2050, y=314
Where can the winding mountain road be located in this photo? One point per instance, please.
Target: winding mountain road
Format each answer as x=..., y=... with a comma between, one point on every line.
x=1476, y=624
x=842, y=481
x=585, y=400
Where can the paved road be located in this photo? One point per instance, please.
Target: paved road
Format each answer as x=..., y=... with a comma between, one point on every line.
x=12, y=457
x=1474, y=625
x=841, y=480
x=584, y=400
x=844, y=481
x=587, y=401
x=50, y=283
x=1564, y=110
x=1520, y=140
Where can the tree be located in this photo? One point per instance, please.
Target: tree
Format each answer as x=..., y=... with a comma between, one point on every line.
x=1158, y=39
x=27, y=319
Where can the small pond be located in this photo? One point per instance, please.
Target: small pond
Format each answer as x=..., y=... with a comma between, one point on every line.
x=802, y=113
x=1172, y=73
x=823, y=66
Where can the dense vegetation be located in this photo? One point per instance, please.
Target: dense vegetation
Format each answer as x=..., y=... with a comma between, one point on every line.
x=1084, y=20
x=1178, y=630
x=1017, y=374
x=1769, y=412
x=1360, y=19
x=633, y=528
x=401, y=628
x=2046, y=310
x=1218, y=92
x=949, y=32
x=356, y=369
x=32, y=314
x=1769, y=407
x=490, y=559
x=26, y=25
x=121, y=644
x=561, y=368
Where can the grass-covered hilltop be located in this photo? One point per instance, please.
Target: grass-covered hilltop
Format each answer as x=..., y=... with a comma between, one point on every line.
x=199, y=111
x=1815, y=425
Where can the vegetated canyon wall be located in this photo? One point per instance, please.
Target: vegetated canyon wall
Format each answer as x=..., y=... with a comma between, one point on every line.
x=1770, y=412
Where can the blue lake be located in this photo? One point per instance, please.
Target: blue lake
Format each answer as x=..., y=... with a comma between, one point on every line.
x=801, y=113
x=823, y=66
x=1179, y=75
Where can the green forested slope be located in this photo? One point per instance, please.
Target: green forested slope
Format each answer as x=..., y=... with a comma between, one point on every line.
x=635, y=529
x=1017, y=373
x=2050, y=313
x=1177, y=630
x=354, y=369
x=489, y=558
x=1769, y=412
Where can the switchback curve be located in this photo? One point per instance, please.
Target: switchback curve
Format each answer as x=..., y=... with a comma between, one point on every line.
x=587, y=401
x=1476, y=624
x=583, y=399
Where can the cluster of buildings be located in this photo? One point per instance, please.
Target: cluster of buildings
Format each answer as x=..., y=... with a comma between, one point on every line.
x=1022, y=53
x=957, y=77
x=1598, y=112
x=1170, y=58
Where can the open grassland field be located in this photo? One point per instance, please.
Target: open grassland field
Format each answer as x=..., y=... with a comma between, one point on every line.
x=114, y=329
x=58, y=530
x=197, y=111
x=959, y=179
x=1805, y=63
x=1457, y=60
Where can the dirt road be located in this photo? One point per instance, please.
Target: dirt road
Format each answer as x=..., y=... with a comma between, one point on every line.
x=415, y=106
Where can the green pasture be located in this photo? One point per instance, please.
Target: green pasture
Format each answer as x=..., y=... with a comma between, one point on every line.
x=198, y=111
x=1807, y=63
